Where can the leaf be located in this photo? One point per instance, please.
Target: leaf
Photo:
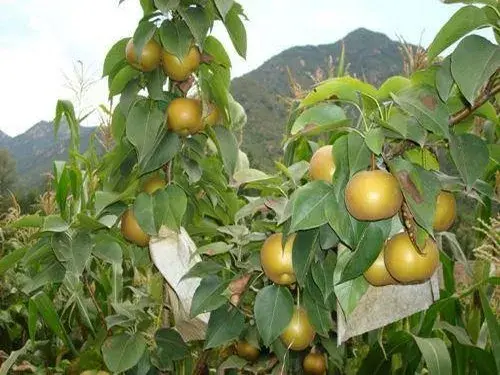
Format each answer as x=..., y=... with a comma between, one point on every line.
x=74, y=252
x=215, y=48
x=472, y=63
x=13, y=357
x=349, y=293
x=224, y=6
x=493, y=327
x=197, y=20
x=305, y=246
x=170, y=206
x=225, y=324
x=444, y=79
x=420, y=189
x=203, y=269
x=367, y=250
x=422, y=157
x=245, y=176
x=273, y=310
x=318, y=315
x=227, y=146
x=45, y=307
x=459, y=332
x=345, y=226
x=176, y=37
x=171, y=344
x=115, y=56
x=121, y=79
x=236, y=31
x=214, y=248
x=470, y=155
x=108, y=250
x=208, y=296
x=392, y=85
x=424, y=104
x=309, y=205
x=52, y=273
x=144, y=123
x=143, y=34
x=374, y=139
x=143, y=210
x=54, y=223
x=436, y=355
x=166, y=6
x=162, y=153
x=123, y=351
x=358, y=153
x=321, y=114
x=10, y=260
x=465, y=20
x=341, y=88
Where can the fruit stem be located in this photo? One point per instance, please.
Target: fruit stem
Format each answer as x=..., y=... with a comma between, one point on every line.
x=373, y=162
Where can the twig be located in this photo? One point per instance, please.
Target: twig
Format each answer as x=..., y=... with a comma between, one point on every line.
x=99, y=310
x=465, y=112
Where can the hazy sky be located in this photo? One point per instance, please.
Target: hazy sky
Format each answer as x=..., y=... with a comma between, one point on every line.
x=41, y=39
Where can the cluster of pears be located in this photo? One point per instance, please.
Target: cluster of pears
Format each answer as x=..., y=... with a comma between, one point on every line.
x=376, y=195
x=129, y=226
x=184, y=115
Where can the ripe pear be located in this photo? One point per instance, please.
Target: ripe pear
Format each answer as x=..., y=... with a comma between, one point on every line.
x=299, y=333
x=132, y=231
x=322, y=165
x=276, y=261
x=150, y=57
x=446, y=211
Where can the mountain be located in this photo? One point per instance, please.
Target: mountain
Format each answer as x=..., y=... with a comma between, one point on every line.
x=36, y=149
x=370, y=55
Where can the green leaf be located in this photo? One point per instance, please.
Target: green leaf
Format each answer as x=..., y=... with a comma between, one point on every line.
x=422, y=157
x=459, y=332
x=54, y=223
x=493, y=327
x=143, y=34
x=28, y=221
x=52, y=273
x=342, y=88
x=305, y=247
x=171, y=344
x=74, y=252
x=144, y=213
x=123, y=351
x=224, y=6
x=420, y=189
x=236, y=31
x=214, y=248
x=197, y=20
x=309, y=205
x=392, y=85
x=472, y=63
x=405, y=125
x=358, y=153
x=45, y=307
x=10, y=260
x=163, y=151
x=367, y=250
x=166, y=6
x=208, y=296
x=436, y=355
x=444, y=79
x=424, y=103
x=169, y=207
x=108, y=250
x=470, y=155
x=374, y=139
x=13, y=357
x=378, y=359
x=121, y=79
x=115, y=56
x=176, y=37
x=227, y=146
x=319, y=316
x=225, y=324
x=202, y=269
x=465, y=20
x=215, y=48
x=321, y=114
x=144, y=124
x=273, y=310
x=349, y=293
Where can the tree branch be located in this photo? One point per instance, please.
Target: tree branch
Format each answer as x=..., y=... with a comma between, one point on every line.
x=465, y=112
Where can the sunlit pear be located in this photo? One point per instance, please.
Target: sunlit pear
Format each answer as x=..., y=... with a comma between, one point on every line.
x=180, y=69
x=377, y=274
x=322, y=165
x=405, y=263
x=276, y=261
x=132, y=231
x=373, y=195
x=184, y=116
x=150, y=57
x=299, y=333
x=446, y=211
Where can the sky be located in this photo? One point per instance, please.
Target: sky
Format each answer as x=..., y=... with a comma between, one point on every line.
x=41, y=40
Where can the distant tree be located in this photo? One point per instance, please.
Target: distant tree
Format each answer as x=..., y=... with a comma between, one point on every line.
x=8, y=175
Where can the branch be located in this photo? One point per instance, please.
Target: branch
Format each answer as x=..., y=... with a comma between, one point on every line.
x=465, y=112
x=98, y=307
